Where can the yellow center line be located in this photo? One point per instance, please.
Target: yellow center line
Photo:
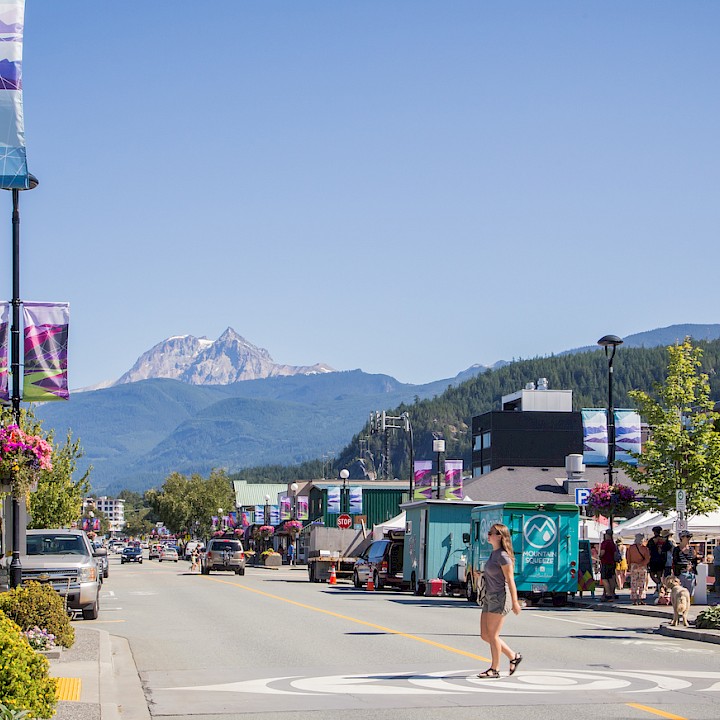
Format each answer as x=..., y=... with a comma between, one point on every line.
x=655, y=711
x=390, y=631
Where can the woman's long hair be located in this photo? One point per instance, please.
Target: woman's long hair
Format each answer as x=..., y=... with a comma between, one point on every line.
x=505, y=539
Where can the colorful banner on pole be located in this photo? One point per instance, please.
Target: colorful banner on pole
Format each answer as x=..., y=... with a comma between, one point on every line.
x=285, y=508
x=355, y=505
x=46, y=346
x=259, y=514
x=13, y=161
x=453, y=480
x=4, y=339
x=303, y=511
x=627, y=435
x=595, y=437
x=232, y=520
x=422, y=480
x=333, y=500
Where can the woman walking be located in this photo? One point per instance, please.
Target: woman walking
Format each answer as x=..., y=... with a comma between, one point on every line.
x=685, y=562
x=500, y=598
x=638, y=557
x=621, y=567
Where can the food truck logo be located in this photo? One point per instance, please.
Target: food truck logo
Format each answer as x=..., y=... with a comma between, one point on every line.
x=540, y=531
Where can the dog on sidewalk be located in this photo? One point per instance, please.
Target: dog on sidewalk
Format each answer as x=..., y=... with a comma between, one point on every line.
x=679, y=599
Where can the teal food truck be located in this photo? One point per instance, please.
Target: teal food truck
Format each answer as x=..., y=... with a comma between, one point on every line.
x=435, y=553
x=545, y=543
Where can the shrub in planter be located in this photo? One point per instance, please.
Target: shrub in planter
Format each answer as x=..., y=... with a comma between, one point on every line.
x=24, y=681
x=709, y=619
x=38, y=605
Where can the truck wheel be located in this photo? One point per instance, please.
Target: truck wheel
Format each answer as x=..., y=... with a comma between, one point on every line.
x=470, y=594
x=356, y=580
x=376, y=580
x=414, y=585
x=92, y=612
x=559, y=600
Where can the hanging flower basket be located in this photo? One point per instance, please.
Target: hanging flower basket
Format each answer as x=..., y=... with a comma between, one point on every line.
x=22, y=458
x=608, y=500
x=266, y=531
x=293, y=527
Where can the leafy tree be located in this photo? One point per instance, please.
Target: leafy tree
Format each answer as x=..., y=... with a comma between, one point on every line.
x=683, y=451
x=91, y=511
x=186, y=505
x=139, y=517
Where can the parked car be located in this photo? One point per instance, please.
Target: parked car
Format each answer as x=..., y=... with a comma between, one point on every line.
x=101, y=555
x=383, y=561
x=168, y=554
x=223, y=554
x=131, y=554
x=66, y=560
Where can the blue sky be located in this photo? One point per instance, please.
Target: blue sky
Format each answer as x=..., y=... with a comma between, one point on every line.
x=407, y=187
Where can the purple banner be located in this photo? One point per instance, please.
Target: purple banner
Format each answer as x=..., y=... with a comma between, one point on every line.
x=422, y=480
x=4, y=336
x=453, y=480
x=285, y=508
x=46, y=345
x=232, y=520
x=303, y=512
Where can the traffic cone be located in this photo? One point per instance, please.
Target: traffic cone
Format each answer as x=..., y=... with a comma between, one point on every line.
x=333, y=576
x=370, y=584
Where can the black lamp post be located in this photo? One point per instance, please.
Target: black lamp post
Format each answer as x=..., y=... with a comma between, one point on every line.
x=439, y=448
x=344, y=475
x=266, y=518
x=15, y=564
x=610, y=341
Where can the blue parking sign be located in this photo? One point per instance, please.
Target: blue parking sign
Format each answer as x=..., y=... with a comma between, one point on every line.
x=582, y=495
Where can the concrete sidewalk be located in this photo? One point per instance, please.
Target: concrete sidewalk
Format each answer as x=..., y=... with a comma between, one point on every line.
x=109, y=686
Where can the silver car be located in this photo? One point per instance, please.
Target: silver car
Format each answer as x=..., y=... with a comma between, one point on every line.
x=66, y=560
x=223, y=554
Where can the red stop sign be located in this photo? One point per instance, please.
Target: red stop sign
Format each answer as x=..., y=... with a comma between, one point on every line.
x=344, y=521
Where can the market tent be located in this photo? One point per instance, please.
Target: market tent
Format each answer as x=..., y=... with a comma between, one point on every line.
x=641, y=523
x=592, y=530
x=396, y=523
x=701, y=526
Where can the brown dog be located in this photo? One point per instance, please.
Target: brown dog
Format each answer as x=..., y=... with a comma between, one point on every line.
x=679, y=599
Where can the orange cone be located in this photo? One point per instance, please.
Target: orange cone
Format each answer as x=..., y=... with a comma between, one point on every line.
x=370, y=584
x=333, y=576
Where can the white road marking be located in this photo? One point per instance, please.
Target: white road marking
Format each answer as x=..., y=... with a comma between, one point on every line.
x=574, y=622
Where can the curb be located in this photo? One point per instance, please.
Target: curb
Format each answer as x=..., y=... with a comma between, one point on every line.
x=120, y=688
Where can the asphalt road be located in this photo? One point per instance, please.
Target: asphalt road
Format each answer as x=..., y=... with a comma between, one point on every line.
x=271, y=644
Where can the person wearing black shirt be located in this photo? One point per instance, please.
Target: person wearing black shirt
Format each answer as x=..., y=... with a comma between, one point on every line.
x=659, y=548
x=685, y=562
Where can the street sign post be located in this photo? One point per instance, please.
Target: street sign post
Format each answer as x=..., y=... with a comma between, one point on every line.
x=582, y=495
x=344, y=521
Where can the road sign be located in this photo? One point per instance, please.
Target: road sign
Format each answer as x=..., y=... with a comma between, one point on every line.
x=582, y=495
x=681, y=500
x=344, y=521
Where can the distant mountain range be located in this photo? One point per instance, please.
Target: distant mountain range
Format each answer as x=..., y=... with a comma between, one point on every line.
x=190, y=404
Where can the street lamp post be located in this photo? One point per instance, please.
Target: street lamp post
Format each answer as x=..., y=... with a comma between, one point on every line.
x=15, y=564
x=266, y=517
x=439, y=448
x=344, y=475
x=610, y=341
x=220, y=519
x=294, y=490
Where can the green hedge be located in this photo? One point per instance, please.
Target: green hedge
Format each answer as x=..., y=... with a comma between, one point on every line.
x=24, y=680
x=38, y=605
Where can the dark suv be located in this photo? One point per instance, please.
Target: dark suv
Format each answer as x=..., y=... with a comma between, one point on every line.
x=223, y=554
x=383, y=561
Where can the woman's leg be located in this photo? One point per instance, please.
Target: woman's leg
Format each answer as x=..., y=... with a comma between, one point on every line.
x=490, y=626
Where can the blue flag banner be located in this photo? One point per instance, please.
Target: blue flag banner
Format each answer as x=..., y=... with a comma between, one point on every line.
x=627, y=435
x=355, y=503
x=595, y=437
x=333, y=500
x=13, y=162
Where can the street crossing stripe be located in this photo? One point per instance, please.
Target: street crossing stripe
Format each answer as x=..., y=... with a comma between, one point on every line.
x=390, y=631
x=68, y=689
x=655, y=711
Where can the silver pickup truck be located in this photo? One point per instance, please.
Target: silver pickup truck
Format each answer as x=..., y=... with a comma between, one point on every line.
x=66, y=560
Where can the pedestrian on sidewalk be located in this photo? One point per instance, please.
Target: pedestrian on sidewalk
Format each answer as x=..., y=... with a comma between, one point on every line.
x=638, y=557
x=608, y=553
x=685, y=562
x=659, y=546
x=500, y=597
x=716, y=567
x=621, y=567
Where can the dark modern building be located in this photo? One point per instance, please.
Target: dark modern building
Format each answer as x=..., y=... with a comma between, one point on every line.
x=536, y=428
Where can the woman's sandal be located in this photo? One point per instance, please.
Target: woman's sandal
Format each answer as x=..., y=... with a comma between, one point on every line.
x=515, y=662
x=489, y=673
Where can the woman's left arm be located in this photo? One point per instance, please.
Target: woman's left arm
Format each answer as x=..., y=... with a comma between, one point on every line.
x=509, y=573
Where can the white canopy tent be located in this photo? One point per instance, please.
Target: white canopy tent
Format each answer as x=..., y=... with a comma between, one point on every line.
x=397, y=523
x=591, y=529
x=702, y=527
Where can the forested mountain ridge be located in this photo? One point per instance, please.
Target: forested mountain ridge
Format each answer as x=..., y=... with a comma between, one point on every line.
x=450, y=414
